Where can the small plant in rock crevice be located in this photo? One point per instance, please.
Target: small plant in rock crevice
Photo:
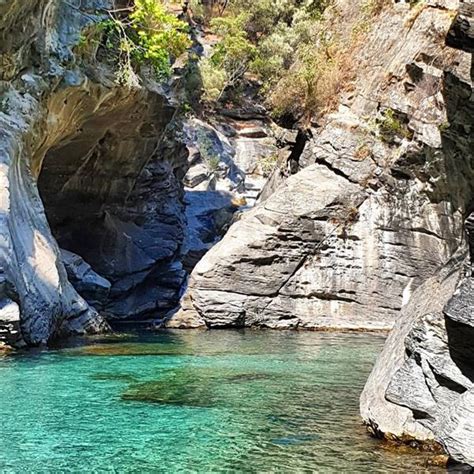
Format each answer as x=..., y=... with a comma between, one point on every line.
x=207, y=149
x=268, y=164
x=368, y=10
x=4, y=106
x=212, y=163
x=444, y=127
x=391, y=127
x=417, y=8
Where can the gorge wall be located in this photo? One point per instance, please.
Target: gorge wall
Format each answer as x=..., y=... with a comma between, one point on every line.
x=107, y=189
x=111, y=189
x=94, y=156
x=110, y=195
x=422, y=385
x=379, y=202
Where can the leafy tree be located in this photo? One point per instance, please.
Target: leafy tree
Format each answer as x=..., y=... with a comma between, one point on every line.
x=231, y=57
x=261, y=36
x=160, y=35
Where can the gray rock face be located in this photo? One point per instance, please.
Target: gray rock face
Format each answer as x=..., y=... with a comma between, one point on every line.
x=89, y=164
x=91, y=286
x=395, y=163
x=421, y=320
x=98, y=168
x=34, y=276
x=422, y=384
x=127, y=205
x=229, y=163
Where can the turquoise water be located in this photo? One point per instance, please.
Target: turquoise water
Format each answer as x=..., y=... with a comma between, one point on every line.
x=217, y=401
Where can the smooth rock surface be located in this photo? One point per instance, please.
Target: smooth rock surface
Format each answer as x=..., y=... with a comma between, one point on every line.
x=90, y=285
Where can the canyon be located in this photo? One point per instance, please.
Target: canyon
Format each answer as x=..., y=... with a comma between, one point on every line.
x=118, y=207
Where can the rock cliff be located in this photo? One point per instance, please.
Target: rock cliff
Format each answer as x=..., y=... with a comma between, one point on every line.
x=379, y=201
x=422, y=385
x=109, y=194
x=107, y=188
x=86, y=166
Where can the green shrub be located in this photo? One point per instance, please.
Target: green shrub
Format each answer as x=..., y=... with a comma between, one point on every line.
x=312, y=83
x=207, y=150
x=214, y=80
x=159, y=35
x=213, y=163
x=444, y=127
x=268, y=164
x=261, y=37
x=230, y=59
x=149, y=35
x=285, y=45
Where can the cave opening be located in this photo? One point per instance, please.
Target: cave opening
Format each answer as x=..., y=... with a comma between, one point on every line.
x=112, y=195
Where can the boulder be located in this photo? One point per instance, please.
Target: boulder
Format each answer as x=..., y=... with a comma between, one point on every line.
x=89, y=284
x=10, y=331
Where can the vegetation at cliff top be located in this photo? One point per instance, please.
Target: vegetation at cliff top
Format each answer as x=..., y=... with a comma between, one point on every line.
x=281, y=44
x=144, y=34
x=284, y=47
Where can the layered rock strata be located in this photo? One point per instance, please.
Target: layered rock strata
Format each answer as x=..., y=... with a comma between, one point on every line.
x=99, y=169
x=422, y=385
x=378, y=204
x=88, y=163
x=230, y=160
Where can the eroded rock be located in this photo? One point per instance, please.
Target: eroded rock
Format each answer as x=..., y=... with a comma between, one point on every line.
x=10, y=331
x=90, y=285
x=422, y=384
x=109, y=177
x=402, y=139
x=229, y=161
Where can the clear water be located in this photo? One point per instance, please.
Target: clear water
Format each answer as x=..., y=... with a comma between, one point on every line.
x=218, y=401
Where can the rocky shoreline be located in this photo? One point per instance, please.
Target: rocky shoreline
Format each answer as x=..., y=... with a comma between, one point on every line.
x=116, y=205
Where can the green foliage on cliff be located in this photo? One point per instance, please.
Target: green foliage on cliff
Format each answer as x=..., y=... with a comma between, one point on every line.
x=262, y=39
x=290, y=49
x=147, y=34
x=231, y=56
x=157, y=35
x=391, y=127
